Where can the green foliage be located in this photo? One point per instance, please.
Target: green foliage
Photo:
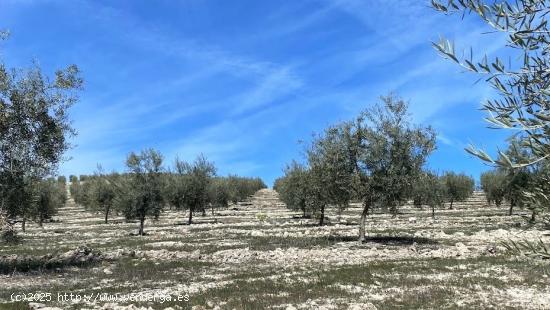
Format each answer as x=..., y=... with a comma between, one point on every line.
x=194, y=182
x=10, y=236
x=30, y=103
x=35, y=130
x=143, y=194
x=458, y=187
x=429, y=189
x=103, y=194
x=17, y=199
x=192, y=186
x=124, y=202
x=391, y=154
x=49, y=196
x=523, y=85
x=261, y=217
x=292, y=187
x=330, y=170
x=519, y=179
x=219, y=193
x=147, y=188
x=536, y=198
x=535, y=249
x=99, y=192
x=40, y=199
x=240, y=188
x=495, y=185
x=81, y=192
x=376, y=157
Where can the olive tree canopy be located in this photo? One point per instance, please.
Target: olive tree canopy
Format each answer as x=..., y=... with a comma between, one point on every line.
x=35, y=130
x=390, y=153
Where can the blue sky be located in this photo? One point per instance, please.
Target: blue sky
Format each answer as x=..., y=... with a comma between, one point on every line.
x=244, y=81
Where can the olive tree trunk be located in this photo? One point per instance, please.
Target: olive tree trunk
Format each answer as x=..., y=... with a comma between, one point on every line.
x=107, y=210
x=512, y=203
x=322, y=219
x=363, y=222
x=141, y=224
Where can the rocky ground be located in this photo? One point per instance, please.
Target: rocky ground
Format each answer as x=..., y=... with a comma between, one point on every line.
x=258, y=255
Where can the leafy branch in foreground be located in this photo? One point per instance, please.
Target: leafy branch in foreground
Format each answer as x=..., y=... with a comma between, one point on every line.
x=524, y=104
x=535, y=249
x=523, y=85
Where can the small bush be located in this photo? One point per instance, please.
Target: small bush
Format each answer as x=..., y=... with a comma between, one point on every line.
x=10, y=236
x=261, y=217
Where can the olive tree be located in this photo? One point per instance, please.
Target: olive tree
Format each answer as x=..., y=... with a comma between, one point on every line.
x=17, y=201
x=429, y=189
x=388, y=152
x=330, y=168
x=317, y=198
x=292, y=187
x=494, y=185
x=519, y=179
x=458, y=187
x=174, y=190
x=103, y=195
x=62, y=180
x=194, y=181
x=240, y=188
x=375, y=158
x=35, y=129
x=143, y=195
x=49, y=197
x=82, y=193
x=218, y=193
x=536, y=198
x=124, y=201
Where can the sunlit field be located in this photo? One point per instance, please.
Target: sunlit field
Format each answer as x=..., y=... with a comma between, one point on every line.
x=258, y=255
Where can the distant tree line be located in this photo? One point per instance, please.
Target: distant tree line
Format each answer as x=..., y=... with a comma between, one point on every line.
x=435, y=190
x=147, y=188
x=35, y=131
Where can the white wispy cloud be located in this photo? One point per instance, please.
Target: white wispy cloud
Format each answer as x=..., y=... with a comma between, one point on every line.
x=229, y=103
x=270, y=88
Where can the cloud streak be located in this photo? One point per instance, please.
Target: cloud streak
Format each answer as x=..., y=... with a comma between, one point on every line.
x=243, y=88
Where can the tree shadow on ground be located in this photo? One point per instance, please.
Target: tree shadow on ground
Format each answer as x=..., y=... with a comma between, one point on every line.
x=386, y=240
x=198, y=222
x=397, y=240
x=80, y=258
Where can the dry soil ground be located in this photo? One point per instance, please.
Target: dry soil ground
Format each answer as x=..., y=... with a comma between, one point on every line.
x=261, y=255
